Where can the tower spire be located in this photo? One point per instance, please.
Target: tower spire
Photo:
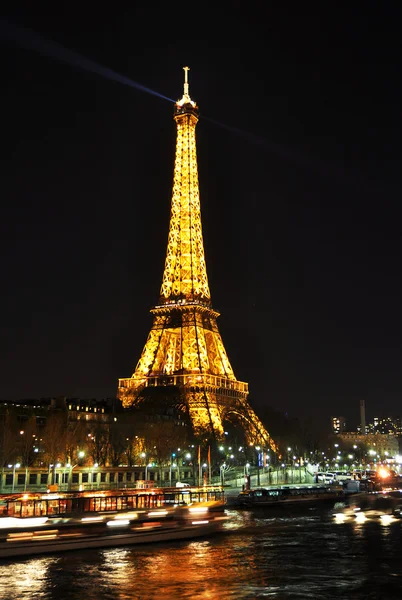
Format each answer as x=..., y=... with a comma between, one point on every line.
x=186, y=100
x=186, y=70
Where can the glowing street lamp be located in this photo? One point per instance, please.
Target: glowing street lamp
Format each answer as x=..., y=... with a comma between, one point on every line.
x=146, y=470
x=222, y=469
x=258, y=465
x=172, y=464
x=16, y=466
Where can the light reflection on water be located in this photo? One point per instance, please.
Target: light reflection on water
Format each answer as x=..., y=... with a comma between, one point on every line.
x=306, y=556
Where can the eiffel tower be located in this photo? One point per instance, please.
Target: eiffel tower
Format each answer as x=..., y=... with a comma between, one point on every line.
x=184, y=356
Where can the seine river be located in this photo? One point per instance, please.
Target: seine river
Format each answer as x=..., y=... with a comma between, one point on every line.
x=260, y=556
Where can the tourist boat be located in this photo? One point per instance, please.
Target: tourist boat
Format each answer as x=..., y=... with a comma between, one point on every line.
x=385, y=506
x=288, y=496
x=33, y=525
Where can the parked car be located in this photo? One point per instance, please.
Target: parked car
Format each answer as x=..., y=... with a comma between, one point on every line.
x=343, y=475
x=325, y=477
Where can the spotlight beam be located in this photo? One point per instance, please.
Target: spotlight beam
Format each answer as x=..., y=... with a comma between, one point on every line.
x=30, y=40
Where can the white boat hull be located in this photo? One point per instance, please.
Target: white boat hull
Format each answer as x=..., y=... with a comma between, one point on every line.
x=149, y=535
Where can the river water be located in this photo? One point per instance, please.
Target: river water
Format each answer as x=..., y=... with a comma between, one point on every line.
x=261, y=555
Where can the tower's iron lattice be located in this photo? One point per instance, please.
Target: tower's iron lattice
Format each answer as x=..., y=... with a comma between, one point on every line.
x=184, y=350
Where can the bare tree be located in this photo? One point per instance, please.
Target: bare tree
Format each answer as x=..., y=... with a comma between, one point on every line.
x=8, y=437
x=117, y=444
x=8, y=440
x=162, y=438
x=75, y=438
x=98, y=444
x=26, y=439
x=54, y=439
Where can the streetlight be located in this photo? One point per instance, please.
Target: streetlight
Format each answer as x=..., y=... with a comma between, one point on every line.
x=66, y=466
x=258, y=465
x=146, y=470
x=170, y=469
x=222, y=469
x=172, y=464
x=204, y=476
x=16, y=466
x=188, y=458
x=287, y=456
x=58, y=466
x=143, y=455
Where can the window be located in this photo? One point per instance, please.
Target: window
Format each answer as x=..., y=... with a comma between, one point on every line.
x=43, y=478
x=128, y=476
x=21, y=478
x=75, y=478
x=103, y=477
x=120, y=477
x=33, y=477
x=111, y=477
x=84, y=477
x=9, y=479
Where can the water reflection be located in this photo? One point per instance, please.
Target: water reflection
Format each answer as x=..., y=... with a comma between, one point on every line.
x=308, y=556
x=25, y=579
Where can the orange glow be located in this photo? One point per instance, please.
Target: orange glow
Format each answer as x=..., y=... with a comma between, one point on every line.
x=383, y=473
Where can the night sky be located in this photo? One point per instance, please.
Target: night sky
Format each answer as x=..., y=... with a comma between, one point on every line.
x=300, y=196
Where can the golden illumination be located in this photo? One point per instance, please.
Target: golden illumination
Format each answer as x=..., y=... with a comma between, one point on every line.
x=383, y=473
x=184, y=347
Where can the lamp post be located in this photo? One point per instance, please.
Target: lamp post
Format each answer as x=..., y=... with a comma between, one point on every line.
x=16, y=466
x=223, y=467
x=144, y=456
x=65, y=483
x=48, y=474
x=58, y=466
x=172, y=464
x=258, y=465
x=188, y=458
x=146, y=471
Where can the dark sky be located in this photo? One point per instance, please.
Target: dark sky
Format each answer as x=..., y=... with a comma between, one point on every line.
x=300, y=198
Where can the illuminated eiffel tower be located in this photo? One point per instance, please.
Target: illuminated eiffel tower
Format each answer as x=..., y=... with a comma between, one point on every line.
x=184, y=356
